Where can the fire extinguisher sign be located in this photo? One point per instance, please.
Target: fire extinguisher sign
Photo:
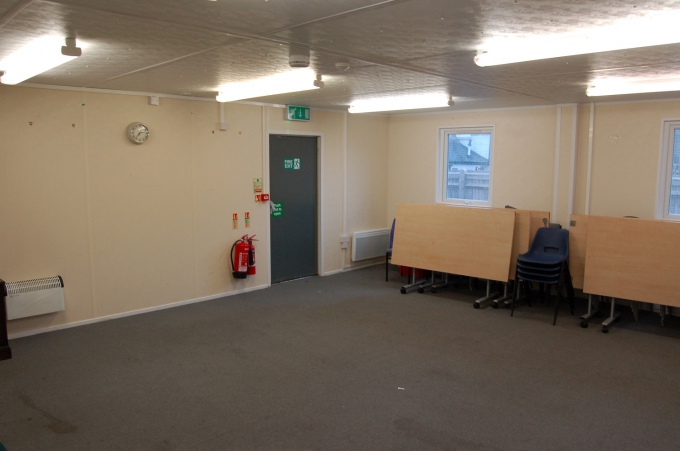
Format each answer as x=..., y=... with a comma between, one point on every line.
x=235, y=220
x=247, y=219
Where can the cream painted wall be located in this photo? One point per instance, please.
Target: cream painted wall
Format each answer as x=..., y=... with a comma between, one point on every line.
x=524, y=156
x=367, y=157
x=136, y=227
x=43, y=193
x=626, y=148
x=581, y=170
x=625, y=157
x=564, y=170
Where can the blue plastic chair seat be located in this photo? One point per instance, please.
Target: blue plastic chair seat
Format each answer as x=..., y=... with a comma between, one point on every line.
x=541, y=259
x=528, y=274
x=541, y=269
x=540, y=279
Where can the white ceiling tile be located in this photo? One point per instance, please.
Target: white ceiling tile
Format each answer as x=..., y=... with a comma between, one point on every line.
x=191, y=47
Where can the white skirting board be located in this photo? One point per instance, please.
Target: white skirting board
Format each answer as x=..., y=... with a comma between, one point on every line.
x=352, y=268
x=134, y=312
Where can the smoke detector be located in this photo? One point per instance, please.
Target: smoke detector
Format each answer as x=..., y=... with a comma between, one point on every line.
x=342, y=66
x=299, y=57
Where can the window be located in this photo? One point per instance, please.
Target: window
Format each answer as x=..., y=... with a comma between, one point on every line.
x=465, y=165
x=668, y=204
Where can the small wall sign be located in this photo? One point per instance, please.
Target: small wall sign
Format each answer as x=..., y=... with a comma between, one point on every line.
x=277, y=209
x=298, y=113
x=291, y=164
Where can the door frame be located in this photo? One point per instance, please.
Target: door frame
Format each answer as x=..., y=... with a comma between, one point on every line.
x=319, y=191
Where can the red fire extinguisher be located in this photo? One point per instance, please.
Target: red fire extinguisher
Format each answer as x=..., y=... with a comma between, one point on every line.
x=239, y=259
x=243, y=257
x=251, y=256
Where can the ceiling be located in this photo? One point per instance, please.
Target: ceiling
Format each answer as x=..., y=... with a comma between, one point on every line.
x=393, y=47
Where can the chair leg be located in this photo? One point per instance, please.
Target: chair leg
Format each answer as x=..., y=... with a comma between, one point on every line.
x=544, y=292
x=557, y=300
x=515, y=293
x=527, y=292
x=570, y=288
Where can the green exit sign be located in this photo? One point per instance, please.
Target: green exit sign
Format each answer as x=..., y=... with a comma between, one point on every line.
x=298, y=113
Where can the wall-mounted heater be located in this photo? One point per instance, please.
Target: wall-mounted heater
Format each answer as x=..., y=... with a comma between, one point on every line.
x=370, y=244
x=34, y=297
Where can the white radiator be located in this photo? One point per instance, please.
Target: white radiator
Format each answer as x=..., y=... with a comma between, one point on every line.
x=34, y=297
x=370, y=244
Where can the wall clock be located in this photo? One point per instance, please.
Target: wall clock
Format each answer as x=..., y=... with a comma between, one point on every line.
x=138, y=133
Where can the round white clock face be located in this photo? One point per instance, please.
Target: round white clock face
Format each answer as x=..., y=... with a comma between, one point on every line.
x=138, y=132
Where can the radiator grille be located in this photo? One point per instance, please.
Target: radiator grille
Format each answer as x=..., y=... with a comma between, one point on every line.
x=26, y=286
x=370, y=244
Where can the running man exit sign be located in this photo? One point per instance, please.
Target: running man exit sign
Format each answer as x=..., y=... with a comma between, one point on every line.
x=298, y=113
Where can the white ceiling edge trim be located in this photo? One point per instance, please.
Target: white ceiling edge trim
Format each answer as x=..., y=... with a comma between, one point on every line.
x=631, y=102
x=374, y=113
x=156, y=94
x=481, y=110
x=111, y=91
x=278, y=105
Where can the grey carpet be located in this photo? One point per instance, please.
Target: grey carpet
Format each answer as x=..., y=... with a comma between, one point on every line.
x=344, y=363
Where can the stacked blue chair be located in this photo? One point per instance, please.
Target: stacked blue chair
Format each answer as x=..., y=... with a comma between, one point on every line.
x=547, y=262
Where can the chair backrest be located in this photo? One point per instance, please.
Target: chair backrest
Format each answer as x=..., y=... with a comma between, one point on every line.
x=551, y=241
x=394, y=221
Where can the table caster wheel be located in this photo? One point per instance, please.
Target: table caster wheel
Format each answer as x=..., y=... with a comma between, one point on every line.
x=475, y=305
x=403, y=290
x=494, y=305
x=434, y=291
x=421, y=291
x=605, y=329
x=584, y=324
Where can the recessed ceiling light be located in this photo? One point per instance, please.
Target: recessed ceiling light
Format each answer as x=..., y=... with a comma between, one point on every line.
x=37, y=57
x=410, y=102
x=657, y=28
x=613, y=87
x=292, y=81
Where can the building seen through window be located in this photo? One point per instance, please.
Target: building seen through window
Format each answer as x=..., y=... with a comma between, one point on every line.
x=468, y=160
x=674, y=195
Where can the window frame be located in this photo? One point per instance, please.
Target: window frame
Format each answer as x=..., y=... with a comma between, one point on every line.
x=668, y=128
x=442, y=164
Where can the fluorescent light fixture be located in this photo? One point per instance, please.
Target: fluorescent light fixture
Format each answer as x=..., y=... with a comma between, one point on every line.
x=293, y=81
x=411, y=102
x=37, y=57
x=659, y=28
x=616, y=86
